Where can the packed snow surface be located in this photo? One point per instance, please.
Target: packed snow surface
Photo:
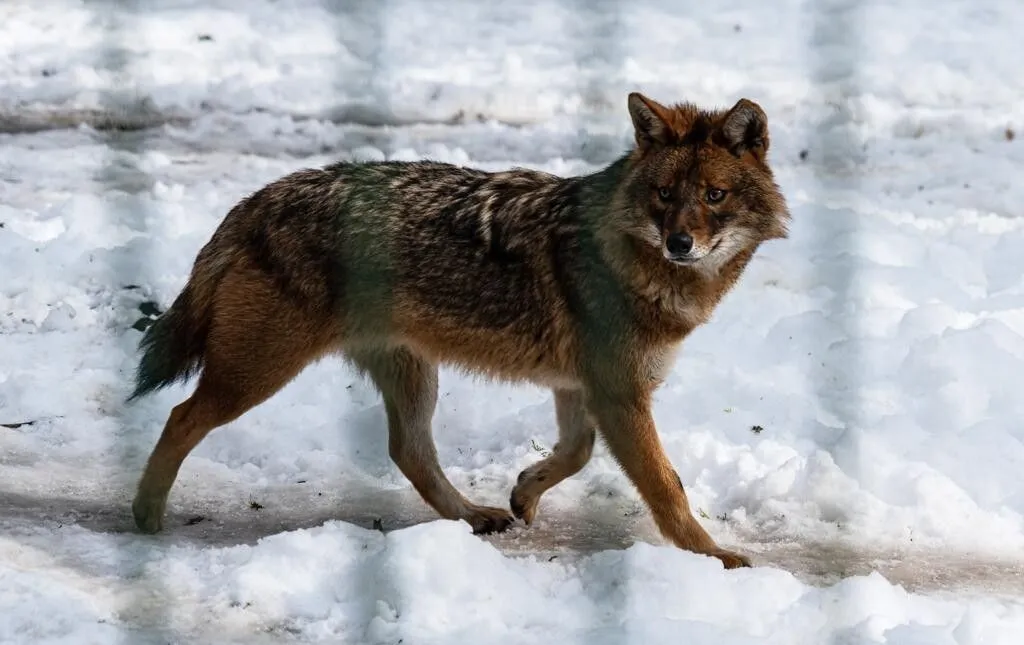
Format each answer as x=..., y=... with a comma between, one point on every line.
x=851, y=417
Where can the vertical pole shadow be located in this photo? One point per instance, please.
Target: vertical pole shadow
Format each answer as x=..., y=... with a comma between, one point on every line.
x=360, y=28
x=595, y=38
x=835, y=42
x=596, y=45
x=147, y=613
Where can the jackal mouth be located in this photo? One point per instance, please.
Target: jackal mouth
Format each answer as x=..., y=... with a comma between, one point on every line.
x=689, y=258
x=683, y=259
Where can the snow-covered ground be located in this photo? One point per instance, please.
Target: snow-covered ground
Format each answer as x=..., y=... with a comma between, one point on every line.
x=851, y=417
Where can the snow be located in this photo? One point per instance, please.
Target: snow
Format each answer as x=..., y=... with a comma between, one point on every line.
x=850, y=417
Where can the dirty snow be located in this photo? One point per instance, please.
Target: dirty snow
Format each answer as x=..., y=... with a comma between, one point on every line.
x=851, y=416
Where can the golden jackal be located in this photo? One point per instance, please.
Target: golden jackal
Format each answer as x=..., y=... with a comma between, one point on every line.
x=583, y=284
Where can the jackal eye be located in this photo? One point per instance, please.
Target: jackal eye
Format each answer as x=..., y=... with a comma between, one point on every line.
x=665, y=194
x=715, y=195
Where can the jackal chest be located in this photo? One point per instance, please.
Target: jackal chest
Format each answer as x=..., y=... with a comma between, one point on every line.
x=666, y=317
x=656, y=364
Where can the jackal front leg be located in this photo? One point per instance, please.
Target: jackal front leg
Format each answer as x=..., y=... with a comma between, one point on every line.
x=626, y=423
x=571, y=453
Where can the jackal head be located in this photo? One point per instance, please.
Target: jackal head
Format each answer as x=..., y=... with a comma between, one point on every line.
x=699, y=186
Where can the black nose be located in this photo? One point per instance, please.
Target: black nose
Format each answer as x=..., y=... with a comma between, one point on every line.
x=679, y=243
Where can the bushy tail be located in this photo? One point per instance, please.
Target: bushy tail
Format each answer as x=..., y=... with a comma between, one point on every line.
x=173, y=346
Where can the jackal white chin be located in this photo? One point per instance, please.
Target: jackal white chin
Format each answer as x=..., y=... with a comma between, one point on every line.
x=693, y=256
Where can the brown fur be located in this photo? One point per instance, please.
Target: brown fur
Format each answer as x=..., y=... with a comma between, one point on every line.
x=518, y=275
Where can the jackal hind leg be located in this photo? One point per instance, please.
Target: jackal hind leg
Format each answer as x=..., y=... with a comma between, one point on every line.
x=258, y=342
x=408, y=385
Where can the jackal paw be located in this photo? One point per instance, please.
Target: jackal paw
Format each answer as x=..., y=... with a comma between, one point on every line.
x=523, y=505
x=730, y=559
x=149, y=515
x=488, y=519
x=526, y=494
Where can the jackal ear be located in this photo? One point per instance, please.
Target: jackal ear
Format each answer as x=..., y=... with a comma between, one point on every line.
x=650, y=121
x=745, y=127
